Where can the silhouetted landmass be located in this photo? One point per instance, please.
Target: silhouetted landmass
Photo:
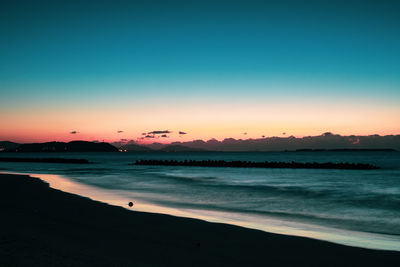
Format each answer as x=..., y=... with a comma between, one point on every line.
x=8, y=146
x=135, y=148
x=156, y=146
x=327, y=141
x=45, y=160
x=266, y=164
x=73, y=146
x=41, y=226
x=179, y=148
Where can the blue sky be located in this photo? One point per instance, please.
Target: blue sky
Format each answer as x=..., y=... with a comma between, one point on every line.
x=65, y=53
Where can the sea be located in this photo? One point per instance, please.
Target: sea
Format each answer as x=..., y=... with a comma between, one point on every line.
x=352, y=207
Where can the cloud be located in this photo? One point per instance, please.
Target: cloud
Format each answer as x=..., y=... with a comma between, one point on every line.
x=144, y=133
x=159, y=132
x=180, y=132
x=123, y=140
x=120, y=131
x=74, y=132
x=245, y=133
x=149, y=136
x=164, y=135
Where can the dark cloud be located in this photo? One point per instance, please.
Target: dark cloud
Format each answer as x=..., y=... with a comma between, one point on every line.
x=74, y=132
x=164, y=135
x=144, y=133
x=123, y=140
x=149, y=136
x=180, y=132
x=120, y=131
x=159, y=132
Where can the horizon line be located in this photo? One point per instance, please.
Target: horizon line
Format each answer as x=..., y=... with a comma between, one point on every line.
x=140, y=141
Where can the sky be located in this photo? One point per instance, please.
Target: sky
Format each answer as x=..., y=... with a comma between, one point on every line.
x=111, y=70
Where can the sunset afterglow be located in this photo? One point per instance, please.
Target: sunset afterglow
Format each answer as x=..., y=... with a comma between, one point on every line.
x=204, y=72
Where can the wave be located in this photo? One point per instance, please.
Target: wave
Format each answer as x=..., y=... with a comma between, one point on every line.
x=216, y=183
x=364, y=225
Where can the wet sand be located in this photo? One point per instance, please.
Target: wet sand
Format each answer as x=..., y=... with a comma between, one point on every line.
x=41, y=226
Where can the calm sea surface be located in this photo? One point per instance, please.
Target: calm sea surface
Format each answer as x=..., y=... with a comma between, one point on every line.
x=356, y=207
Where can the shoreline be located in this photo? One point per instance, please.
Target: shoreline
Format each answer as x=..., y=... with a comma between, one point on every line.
x=52, y=227
x=269, y=224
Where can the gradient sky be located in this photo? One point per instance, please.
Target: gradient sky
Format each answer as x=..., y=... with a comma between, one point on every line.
x=213, y=69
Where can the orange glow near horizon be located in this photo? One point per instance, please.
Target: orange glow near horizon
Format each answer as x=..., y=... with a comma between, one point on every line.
x=214, y=121
x=199, y=70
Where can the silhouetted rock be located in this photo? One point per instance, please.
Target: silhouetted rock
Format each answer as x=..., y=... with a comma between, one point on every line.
x=73, y=146
x=266, y=164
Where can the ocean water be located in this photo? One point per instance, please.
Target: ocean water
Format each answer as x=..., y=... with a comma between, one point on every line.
x=354, y=207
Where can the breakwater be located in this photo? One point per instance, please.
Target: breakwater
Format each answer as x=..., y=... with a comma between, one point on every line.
x=265, y=164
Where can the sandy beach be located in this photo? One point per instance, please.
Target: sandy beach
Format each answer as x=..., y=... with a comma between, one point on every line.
x=41, y=226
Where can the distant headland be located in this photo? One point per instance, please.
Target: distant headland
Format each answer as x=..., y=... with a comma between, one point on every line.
x=73, y=146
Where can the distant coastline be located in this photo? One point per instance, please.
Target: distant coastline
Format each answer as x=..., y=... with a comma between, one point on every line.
x=327, y=142
x=346, y=150
x=85, y=146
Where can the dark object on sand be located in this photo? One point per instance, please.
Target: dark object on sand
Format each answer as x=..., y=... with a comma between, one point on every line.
x=46, y=160
x=130, y=204
x=266, y=164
